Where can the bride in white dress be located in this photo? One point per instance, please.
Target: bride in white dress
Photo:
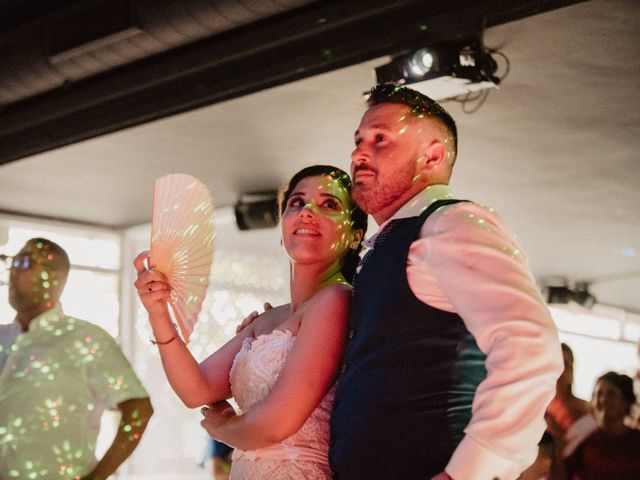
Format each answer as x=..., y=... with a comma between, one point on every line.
x=281, y=369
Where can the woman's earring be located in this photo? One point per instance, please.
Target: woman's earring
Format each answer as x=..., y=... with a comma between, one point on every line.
x=354, y=245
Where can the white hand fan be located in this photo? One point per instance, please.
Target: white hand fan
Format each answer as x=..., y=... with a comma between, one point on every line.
x=182, y=243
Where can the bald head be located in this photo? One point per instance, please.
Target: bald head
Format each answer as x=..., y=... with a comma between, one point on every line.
x=38, y=276
x=50, y=255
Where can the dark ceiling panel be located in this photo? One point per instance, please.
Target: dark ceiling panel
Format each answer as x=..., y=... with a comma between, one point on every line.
x=14, y=13
x=318, y=38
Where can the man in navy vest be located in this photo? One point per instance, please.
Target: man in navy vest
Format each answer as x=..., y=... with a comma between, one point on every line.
x=452, y=355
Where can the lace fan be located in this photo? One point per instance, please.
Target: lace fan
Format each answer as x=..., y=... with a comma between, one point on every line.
x=182, y=243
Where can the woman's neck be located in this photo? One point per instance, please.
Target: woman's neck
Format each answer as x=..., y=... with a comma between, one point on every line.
x=307, y=280
x=612, y=427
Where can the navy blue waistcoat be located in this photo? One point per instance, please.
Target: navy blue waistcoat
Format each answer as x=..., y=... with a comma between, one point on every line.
x=409, y=375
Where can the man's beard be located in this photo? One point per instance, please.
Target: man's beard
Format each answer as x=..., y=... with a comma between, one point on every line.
x=20, y=300
x=373, y=197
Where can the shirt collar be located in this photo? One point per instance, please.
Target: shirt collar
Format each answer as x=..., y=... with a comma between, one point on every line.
x=414, y=207
x=54, y=314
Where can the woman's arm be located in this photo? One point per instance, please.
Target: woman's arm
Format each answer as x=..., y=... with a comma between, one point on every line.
x=306, y=377
x=195, y=384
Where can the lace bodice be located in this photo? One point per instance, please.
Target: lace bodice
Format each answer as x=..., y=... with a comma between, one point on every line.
x=253, y=374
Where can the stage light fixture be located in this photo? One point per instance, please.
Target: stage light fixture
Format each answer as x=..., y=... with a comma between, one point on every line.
x=421, y=62
x=257, y=210
x=556, y=295
x=582, y=296
x=557, y=291
x=443, y=71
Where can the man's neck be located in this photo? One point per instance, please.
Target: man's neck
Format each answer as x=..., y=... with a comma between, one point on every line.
x=25, y=317
x=411, y=196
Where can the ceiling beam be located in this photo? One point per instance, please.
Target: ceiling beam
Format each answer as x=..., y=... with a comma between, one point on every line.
x=321, y=37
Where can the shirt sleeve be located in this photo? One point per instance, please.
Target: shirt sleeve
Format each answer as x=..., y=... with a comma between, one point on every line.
x=111, y=378
x=475, y=263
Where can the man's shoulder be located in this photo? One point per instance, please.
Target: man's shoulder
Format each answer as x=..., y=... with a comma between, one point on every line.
x=85, y=327
x=9, y=329
x=465, y=212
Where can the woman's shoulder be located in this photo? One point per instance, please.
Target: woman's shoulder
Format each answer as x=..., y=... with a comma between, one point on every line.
x=579, y=407
x=332, y=301
x=333, y=292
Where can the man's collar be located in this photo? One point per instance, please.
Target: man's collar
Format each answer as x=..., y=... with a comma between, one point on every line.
x=54, y=314
x=414, y=207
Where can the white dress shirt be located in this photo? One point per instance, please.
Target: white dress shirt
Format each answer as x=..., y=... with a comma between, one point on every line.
x=467, y=261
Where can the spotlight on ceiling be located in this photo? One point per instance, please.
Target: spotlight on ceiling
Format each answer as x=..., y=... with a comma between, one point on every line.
x=557, y=291
x=421, y=62
x=556, y=295
x=582, y=296
x=257, y=210
x=443, y=71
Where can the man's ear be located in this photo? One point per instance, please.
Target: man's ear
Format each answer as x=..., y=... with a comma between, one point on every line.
x=434, y=155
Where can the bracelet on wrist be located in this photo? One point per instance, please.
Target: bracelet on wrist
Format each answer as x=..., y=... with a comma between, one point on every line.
x=166, y=342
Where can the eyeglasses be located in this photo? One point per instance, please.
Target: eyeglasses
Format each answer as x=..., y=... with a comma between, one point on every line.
x=19, y=262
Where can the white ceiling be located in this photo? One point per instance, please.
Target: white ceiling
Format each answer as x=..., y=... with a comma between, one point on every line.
x=555, y=150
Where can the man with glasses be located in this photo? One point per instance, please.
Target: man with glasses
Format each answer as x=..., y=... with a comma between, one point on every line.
x=57, y=375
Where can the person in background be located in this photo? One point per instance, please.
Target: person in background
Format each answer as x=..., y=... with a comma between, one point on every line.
x=221, y=459
x=612, y=450
x=569, y=418
x=634, y=417
x=57, y=376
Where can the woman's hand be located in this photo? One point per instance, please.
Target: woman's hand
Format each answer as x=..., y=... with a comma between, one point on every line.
x=153, y=287
x=216, y=416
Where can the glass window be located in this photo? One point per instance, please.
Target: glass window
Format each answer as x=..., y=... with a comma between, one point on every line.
x=92, y=290
x=602, y=339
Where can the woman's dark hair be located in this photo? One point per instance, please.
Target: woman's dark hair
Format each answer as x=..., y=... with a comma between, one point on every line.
x=622, y=382
x=358, y=216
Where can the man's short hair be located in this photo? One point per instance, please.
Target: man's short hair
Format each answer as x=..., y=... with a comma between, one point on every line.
x=59, y=259
x=419, y=104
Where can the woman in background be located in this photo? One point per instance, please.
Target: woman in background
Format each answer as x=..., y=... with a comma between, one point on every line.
x=612, y=451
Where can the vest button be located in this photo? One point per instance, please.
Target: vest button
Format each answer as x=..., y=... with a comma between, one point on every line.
x=344, y=368
x=352, y=333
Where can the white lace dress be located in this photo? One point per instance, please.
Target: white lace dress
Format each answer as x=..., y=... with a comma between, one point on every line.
x=304, y=454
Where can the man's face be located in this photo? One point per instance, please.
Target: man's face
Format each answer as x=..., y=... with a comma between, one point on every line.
x=385, y=165
x=34, y=280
